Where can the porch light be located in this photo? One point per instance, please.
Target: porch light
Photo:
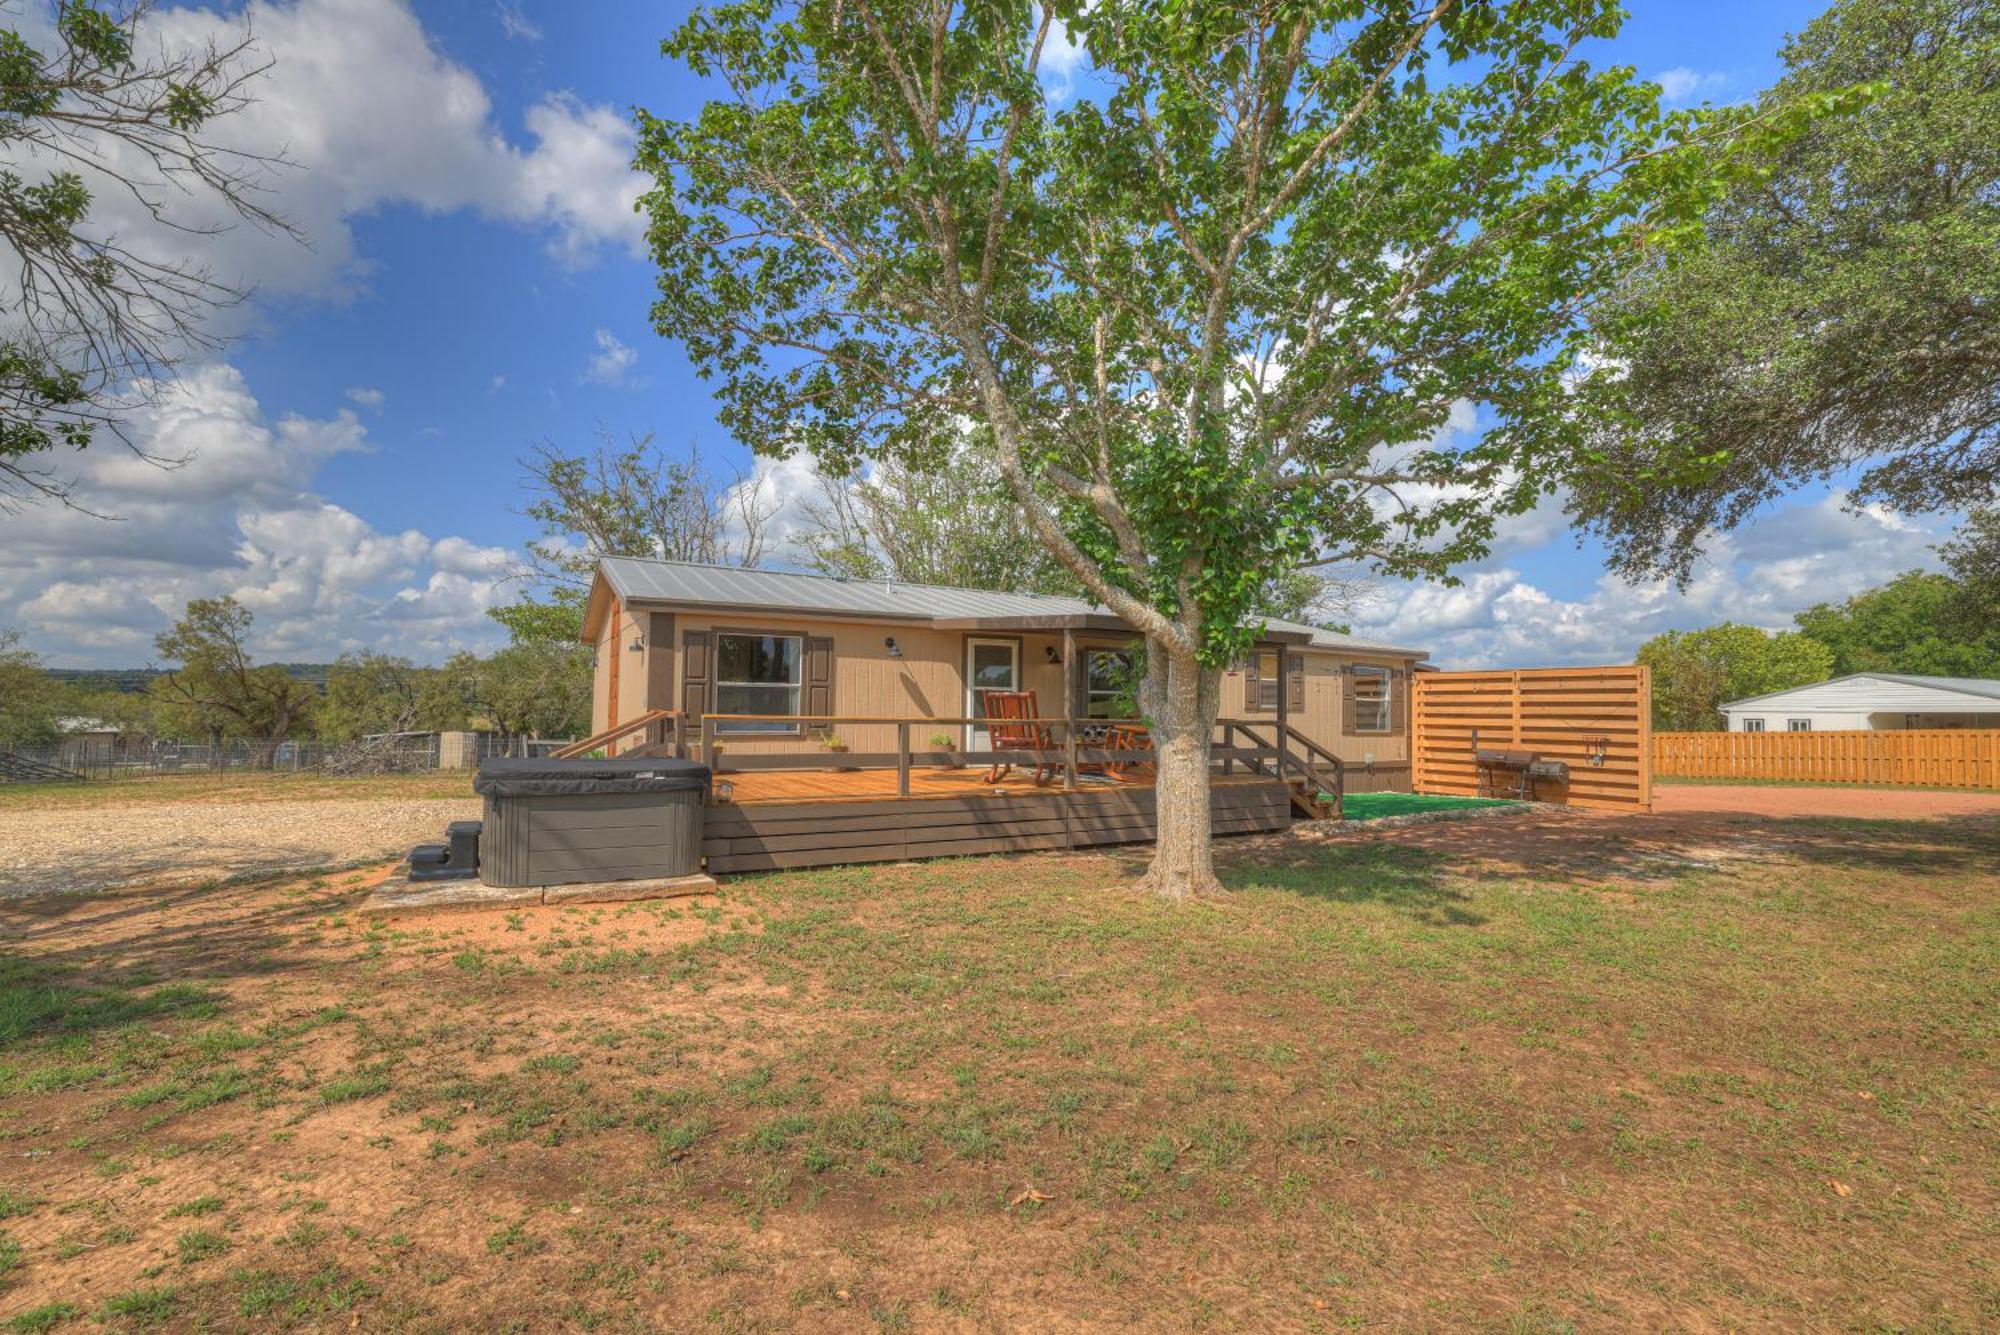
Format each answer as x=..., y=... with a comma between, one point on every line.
x=1054, y=657
x=637, y=646
x=890, y=645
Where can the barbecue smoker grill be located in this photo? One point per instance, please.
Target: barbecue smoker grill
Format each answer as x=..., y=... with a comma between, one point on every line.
x=1515, y=773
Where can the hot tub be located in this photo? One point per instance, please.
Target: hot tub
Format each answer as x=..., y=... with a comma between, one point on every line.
x=558, y=822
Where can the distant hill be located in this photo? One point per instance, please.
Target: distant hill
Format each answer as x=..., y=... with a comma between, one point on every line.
x=134, y=680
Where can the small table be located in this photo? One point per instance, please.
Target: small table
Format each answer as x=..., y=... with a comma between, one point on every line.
x=1127, y=737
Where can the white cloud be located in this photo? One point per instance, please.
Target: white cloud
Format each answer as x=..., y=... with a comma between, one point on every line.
x=1063, y=58
x=1681, y=84
x=778, y=492
x=367, y=398
x=612, y=362
x=239, y=516
x=1804, y=553
x=371, y=113
x=516, y=24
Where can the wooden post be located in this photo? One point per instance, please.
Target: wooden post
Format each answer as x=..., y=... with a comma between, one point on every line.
x=1070, y=669
x=1284, y=717
x=903, y=759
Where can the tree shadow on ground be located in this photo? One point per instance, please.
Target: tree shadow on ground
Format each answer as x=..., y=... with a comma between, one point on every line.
x=1411, y=881
x=1577, y=848
x=209, y=933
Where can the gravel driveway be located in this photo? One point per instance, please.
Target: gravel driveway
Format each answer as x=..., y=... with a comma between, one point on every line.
x=90, y=848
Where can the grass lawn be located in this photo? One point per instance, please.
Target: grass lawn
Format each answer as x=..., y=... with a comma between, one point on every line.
x=233, y=786
x=1377, y=806
x=1562, y=1073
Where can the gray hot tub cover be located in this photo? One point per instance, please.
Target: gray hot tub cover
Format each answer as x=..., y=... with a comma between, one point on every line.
x=501, y=777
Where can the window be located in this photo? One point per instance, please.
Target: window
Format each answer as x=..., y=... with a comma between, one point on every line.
x=1753, y=725
x=1798, y=725
x=1262, y=696
x=1106, y=691
x=757, y=674
x=1371, y=699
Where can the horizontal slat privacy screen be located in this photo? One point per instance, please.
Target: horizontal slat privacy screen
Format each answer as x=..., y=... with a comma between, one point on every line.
x=1596, y=720
x=1919, y=757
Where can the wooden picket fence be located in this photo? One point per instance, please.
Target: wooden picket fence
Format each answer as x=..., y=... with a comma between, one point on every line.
x=1918, y=757
x=1595, y=720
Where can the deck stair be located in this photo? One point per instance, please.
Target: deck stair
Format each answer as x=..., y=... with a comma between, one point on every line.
x=1315, y=777
x=22, y=769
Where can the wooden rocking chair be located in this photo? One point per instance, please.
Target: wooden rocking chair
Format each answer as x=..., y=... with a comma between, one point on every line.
x=1011, y=725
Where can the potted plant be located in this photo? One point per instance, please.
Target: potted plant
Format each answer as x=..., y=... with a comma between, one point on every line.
x=833, y=742
x=943, y=741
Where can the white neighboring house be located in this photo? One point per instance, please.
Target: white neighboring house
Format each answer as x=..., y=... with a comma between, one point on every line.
x=1873, y=701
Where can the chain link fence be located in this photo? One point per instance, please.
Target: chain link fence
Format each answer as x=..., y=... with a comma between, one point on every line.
x=99, y=758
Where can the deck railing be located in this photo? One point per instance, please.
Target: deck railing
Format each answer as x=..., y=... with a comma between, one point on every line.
x=663, y=729
x=1073, y=747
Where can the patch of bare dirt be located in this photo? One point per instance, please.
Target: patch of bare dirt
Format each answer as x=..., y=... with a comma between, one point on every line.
x=72, y=849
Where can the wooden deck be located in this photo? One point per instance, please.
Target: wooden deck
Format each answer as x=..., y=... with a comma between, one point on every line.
x=801, y=818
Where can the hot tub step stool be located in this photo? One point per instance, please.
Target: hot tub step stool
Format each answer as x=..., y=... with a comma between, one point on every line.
x=457, y=859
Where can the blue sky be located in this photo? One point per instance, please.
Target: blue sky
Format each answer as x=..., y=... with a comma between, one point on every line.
x=474, y=286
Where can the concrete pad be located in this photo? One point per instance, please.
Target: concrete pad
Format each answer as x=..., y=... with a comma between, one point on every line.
x=400, y=895
x=611, y=892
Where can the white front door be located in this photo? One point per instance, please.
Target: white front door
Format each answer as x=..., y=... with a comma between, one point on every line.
x=990, y=665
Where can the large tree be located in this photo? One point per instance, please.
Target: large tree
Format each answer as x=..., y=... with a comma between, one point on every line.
x=952, y=521
x=1920, y=622
x=369, y=693
x=92, y=322
x=625, y=499
x=1973, y=558
x=31, y=701
x=1696, y=672
x=533, y=690
x=1210, y=318
x=217, y=691
x=1842, y=311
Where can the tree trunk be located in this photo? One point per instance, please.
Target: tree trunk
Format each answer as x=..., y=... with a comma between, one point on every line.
x=1179, y=698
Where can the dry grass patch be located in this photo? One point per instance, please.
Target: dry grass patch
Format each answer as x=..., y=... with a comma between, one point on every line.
x=1696, y=1074
x=231, y=786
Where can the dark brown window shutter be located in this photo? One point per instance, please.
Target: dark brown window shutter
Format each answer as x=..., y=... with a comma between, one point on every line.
x=1253, y=687
x=694, y=672
x=1347, y=708
x=660, y=660
x=819, y=674
x=1295, y=683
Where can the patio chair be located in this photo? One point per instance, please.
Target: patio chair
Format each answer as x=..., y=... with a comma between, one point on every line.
x=1011, y=724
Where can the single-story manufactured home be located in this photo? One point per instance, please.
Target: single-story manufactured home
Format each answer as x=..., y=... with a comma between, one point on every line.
x=758, y=657
x=1870, y=701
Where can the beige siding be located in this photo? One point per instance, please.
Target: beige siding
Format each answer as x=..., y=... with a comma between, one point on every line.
x=1321, y=720
x=927, y=682
x=632, y=666
x=620, y=630
x=600, y=688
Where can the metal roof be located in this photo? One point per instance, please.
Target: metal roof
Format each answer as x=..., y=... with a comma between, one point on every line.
x=636, y=579
x=1981, y=687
